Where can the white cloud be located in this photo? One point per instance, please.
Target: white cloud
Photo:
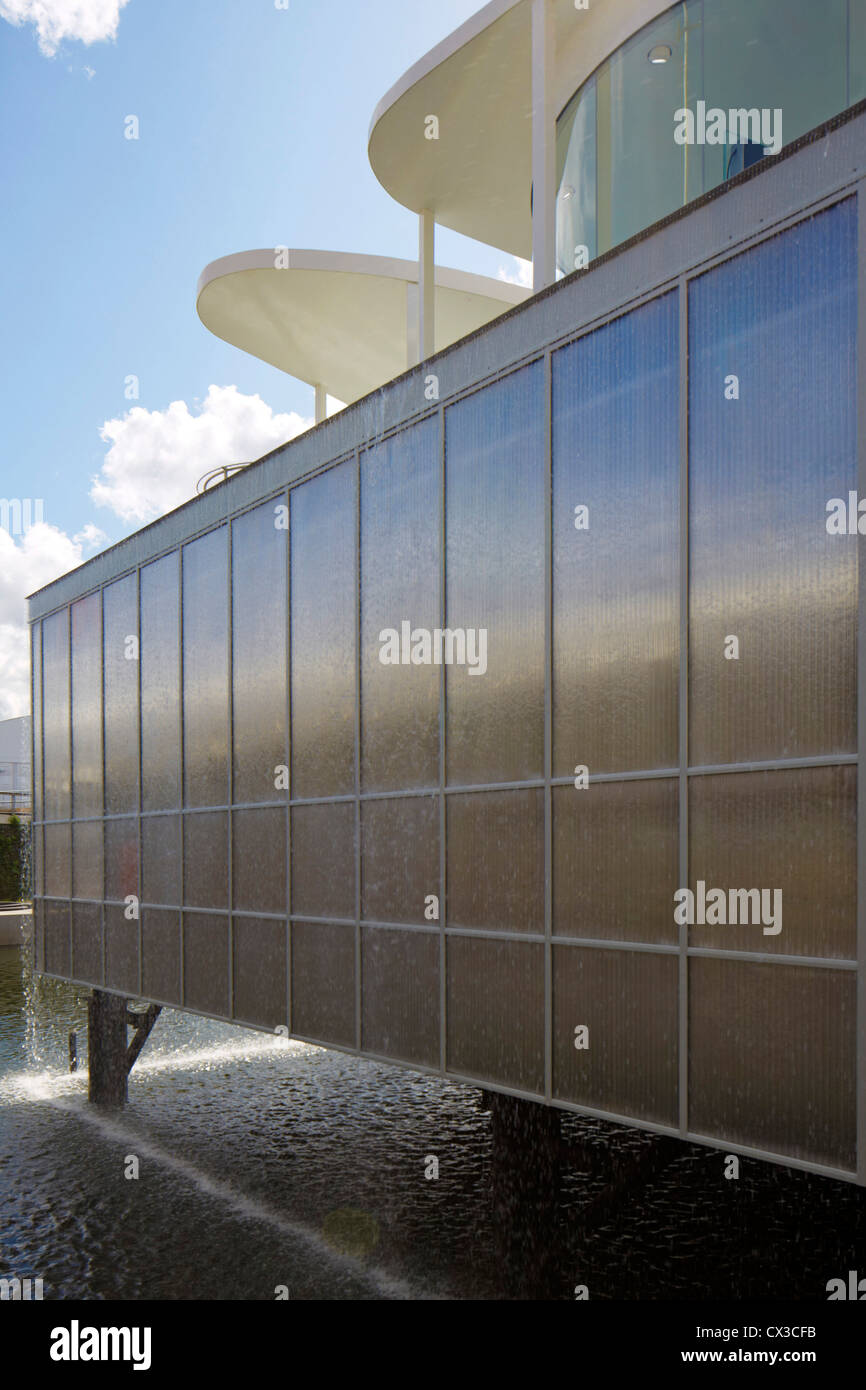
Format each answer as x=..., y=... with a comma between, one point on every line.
x=43, y=553
x=90, y=21
x=157, y=456
x=518, y=273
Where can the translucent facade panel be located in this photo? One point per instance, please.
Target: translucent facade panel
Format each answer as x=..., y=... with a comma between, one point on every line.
x=86, y=617
x=206, y=963
x=494, y=546
x=58, y=867
x=87, y=942
x=205, y=670
x=259, y=859
x=122, y=949
x=323, y=982
x=400, y=527
x=206, y=859
x=792, y=831
x=38, y=866
x=260, y=712
x=260, y=961
x=615, y=860
x=160, y=955
x=323, y=613
x=616, y=566
x=160, y=684
x=400, y=1006
x=38, y=810
x=121, y=674
x=628, y=1002
x=55, y=714
x=496, y=860
x=495, y=1011
x=323, y=860
x=399, y=858
x=161, y=860
x=58, y=957
x=87, y=839
x=121, y=858
x=764, y=569
x=39, y=933
x=772, y=1058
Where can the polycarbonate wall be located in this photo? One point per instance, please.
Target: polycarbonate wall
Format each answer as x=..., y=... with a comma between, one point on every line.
x=290, y=811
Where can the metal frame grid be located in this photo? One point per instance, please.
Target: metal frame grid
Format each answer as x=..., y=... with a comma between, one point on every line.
x=826, y=187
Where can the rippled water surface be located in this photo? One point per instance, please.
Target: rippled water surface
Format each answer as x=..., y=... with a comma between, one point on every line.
x=265, y=1164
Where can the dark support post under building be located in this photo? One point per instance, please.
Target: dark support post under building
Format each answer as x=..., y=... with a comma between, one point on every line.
x=110, y=1059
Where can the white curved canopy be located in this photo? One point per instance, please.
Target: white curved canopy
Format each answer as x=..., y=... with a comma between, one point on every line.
x=477, y=177
x=344, y=322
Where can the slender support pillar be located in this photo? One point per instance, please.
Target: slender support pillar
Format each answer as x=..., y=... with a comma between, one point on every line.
x=543, y=147
x=413, y=356
x=106, y=1021
x=321, y=403
x=426, y=284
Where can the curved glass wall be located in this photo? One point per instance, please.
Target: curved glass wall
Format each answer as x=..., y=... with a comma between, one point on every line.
x=772, y=70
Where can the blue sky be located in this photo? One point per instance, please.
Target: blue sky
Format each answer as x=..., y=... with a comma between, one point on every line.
x=253, y=124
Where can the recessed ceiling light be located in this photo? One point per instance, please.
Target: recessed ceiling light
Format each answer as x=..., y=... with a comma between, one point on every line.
x=661, y=53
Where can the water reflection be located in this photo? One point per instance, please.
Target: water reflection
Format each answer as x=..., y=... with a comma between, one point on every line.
x=263, y=1163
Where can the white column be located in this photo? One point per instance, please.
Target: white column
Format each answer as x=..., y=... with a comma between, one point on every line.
x=543, y=147
x=413, y=314
x=426, y=284
x=321, y=403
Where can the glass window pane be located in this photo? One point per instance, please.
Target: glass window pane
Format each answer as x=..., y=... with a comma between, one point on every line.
x=87, y=859
x=87, y=943
x=400, y=523
x=615, y=566
x=259, y=857
x=772, y=1058
x=87, y=706
x=160, y=684
x=259, y=667
x=323, y=982
x=160, y=859
x=496, y=860
x=495, y=480
x=121, y=858
x=400, y=1006
x=792, y=831
x=260, y=953
x=628, y=1002
x=755, y=57
x=323, y=860
x=576, y=168
x=615, y=860
x=400, y=858
x=496, y=1011
x=206, y=859
x=119, y=624
x=205, y=670
x=206, y=963
x=323, y=602
x=160, y=955
x=55, y=714
x=764, y=569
